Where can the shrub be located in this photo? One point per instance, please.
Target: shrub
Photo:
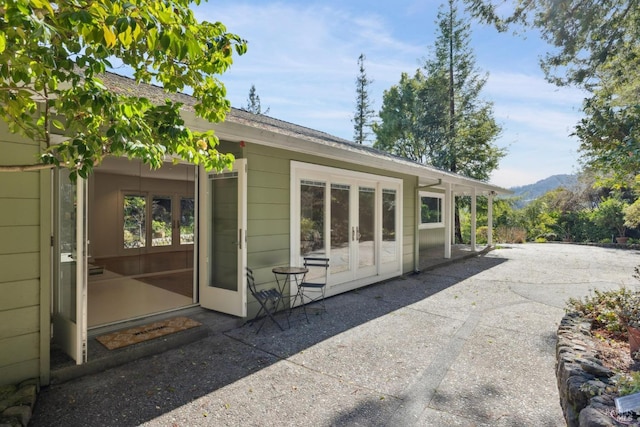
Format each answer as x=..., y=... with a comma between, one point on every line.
x=481, y=235
x=628, y=384
x=506, y=234
x=610, y=310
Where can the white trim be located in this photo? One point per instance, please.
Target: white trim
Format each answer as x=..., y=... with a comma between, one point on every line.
x=431, y=225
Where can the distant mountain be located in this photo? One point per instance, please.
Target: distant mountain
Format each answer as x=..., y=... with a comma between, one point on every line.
x=527, y=193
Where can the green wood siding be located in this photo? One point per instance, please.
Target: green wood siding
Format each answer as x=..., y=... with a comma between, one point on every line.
x=20, y=262
x=23, y=239
x=432, y=238
x=19, y=365
x=18, y=294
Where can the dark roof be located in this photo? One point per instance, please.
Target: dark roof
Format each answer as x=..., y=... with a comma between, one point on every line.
x=156, y=94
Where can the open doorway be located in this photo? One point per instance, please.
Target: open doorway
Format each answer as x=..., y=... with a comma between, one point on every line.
x=141, y=234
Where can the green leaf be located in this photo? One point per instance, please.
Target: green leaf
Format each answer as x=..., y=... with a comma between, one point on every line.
x=57, y=124
x=109, y=36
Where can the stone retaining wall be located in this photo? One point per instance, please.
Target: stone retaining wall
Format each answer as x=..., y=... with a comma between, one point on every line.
x=17, y=402
x=583, y=382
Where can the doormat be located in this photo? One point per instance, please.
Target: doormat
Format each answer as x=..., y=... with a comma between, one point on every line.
x=148, y=332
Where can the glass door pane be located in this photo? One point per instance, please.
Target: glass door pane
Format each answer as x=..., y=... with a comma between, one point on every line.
x=135, y=221
x=70, y=280
x=365, y=233
x=312, y=215
x=389, y=251
x=223, y=232
x=340, y=227
x=67, y=253
x=187, y=215
x=161, y=221
x=222, y=227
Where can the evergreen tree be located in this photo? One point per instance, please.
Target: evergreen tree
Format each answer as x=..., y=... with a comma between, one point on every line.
x=253, y=102
x=363, y=116
x=438, y=117
x=595, y=46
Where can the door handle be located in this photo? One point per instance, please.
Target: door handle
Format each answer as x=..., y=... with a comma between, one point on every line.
x=240, y=238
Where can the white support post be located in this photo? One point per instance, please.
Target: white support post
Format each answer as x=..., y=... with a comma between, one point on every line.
x=453, y=216
x=448, y=195
x=490, y=219
x=473, y=218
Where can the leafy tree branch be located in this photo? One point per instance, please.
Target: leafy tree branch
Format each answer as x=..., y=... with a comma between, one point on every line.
x=52, y=59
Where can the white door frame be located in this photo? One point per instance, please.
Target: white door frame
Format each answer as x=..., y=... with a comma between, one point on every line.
x=214, y=298
x=71, y=333
x=354, y=277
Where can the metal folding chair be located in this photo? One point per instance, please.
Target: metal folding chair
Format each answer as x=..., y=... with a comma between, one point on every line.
x=314, y=283
x=267, y=298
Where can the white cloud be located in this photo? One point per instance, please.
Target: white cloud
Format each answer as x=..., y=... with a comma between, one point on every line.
x=510, y=177
x=302, y=59
x=530, y=88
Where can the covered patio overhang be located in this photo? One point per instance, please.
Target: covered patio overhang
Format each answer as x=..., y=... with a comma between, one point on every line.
x=453, y=185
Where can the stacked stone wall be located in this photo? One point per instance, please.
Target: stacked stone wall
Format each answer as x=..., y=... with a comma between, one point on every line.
x=17, y=402
x=584, y=383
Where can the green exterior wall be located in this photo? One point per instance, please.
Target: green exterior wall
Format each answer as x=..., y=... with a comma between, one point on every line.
x=25, y=202
x=269, y=219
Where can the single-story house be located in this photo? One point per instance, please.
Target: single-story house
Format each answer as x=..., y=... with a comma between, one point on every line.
x=129, y=242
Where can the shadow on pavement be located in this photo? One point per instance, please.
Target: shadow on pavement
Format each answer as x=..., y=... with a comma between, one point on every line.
x=142, y=390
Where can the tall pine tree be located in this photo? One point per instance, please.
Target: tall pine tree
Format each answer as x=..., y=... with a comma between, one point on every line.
x=363, y=117
x=253, y=102
x=440, y=115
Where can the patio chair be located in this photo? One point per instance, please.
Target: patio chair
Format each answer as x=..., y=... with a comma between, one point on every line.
x=314, y=283
x=267, y=298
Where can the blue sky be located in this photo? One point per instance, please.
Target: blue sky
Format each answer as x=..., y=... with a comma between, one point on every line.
x=302, y=59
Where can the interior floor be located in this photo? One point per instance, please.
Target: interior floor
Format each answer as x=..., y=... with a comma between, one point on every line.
x=123, y=288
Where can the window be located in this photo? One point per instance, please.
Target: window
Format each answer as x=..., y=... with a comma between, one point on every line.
x=431, y=212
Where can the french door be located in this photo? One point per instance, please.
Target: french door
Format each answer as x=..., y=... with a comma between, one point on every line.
x=351, y=218
x=223, y=246
x=70, y=267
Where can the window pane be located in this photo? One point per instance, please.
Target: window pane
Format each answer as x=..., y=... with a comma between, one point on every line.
x=431, y=210
x=135, y=219
x=389, y=252
x=312, y=218
x=186, y=220
x=339, y=228
x=366, y=226
x=161, y=221
x=223, y=226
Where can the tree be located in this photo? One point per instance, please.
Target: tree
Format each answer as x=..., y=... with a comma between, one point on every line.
x=363, y=117
x=253, y=102
x=595, y=45
x=51, y=59
x=610, y=136
x=471, y=127
x=610, y=215
x=413, y=121
x=632, y=215
x=438, y=117
x=584, y=33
